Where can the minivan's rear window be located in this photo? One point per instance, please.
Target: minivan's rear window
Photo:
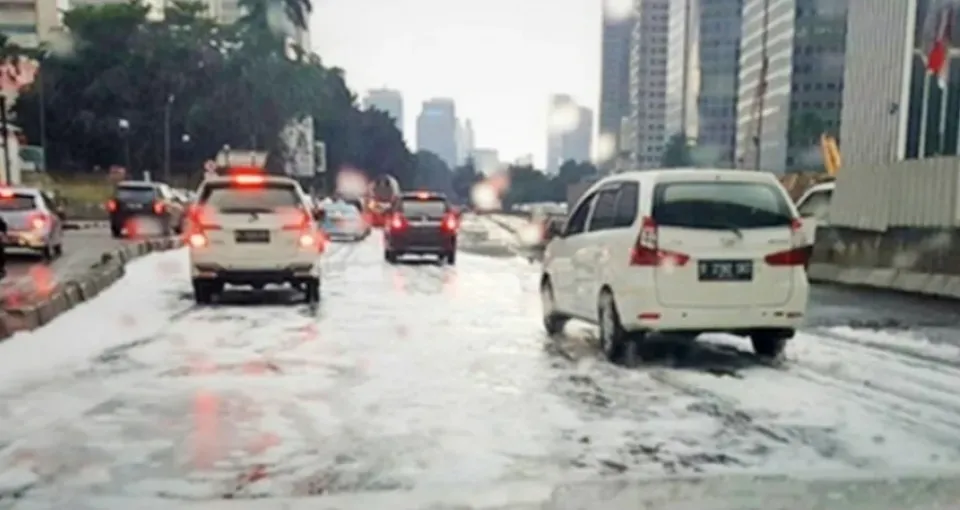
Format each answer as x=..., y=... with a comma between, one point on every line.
x=18, y=202
x=720, y=205
x=433, y=208
x=228, y=198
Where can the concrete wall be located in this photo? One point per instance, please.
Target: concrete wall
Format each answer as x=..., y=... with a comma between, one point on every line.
x=894, y=226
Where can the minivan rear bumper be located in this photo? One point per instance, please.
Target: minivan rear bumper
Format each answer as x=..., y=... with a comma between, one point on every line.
x=641, y=312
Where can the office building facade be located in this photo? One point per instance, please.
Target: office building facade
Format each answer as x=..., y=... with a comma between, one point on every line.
x=437, y=129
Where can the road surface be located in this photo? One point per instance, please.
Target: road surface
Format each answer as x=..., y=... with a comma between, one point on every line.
x=428, y=376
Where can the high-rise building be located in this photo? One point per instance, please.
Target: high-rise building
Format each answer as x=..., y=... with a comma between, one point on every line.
x=779, y=124
x=437, y=129
x=465, y=140
x=683, y=69
x=719, y=60
x=388, y=101
x=570, y=132
x=648, y=82
x=886, y=124
x=614, y=81
x=27, y=23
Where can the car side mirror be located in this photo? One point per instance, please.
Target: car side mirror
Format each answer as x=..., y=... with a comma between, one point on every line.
x=553, y=230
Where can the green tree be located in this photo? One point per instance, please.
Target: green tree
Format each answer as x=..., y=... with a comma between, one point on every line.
x=677, y=153
x=221, y=85
x=465, y=177
x=432, y=173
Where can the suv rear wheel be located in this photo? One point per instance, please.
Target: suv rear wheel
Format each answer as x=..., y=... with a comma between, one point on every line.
x=553, y=321
x=618, y=345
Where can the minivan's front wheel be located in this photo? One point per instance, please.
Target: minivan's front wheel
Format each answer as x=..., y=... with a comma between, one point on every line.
x=553, y=321
x=615, y=342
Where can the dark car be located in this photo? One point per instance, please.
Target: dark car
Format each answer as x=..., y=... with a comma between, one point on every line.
x=421, y=224
x=136, y=200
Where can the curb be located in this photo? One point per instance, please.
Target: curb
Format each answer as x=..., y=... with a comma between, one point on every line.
x=898, y=280
x=72, y=293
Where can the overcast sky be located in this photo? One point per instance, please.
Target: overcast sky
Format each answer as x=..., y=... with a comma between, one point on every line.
x=499, y=59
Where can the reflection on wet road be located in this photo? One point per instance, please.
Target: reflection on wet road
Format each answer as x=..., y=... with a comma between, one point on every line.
x=422, y=375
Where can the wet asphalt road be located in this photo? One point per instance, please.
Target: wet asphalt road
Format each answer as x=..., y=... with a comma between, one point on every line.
x=423, y=375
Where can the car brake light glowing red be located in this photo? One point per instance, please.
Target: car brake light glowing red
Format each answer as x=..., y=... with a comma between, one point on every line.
x=197, y=240
x=197, y=220
x=111, y=205
x=792, y=257
x=397, y=222
x=646, y=250
x=249, y=180
x=450, y=222
x=301, y=222
x=39, y=222
x=158, y=207
x=6, y=193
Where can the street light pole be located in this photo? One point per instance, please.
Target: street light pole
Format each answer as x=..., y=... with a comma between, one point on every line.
x=124, y=126
x=166, y=137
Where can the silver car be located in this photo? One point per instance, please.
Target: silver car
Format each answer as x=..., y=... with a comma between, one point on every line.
x=32, y=221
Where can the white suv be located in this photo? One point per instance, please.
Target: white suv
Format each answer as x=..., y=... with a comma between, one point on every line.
x=253, y=229
x=680, y=251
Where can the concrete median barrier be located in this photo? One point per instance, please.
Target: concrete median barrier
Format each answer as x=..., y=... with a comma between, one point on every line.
x=101, y=275
x=914, y=260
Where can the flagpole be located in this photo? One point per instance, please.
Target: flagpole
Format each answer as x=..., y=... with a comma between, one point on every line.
x=924, y=116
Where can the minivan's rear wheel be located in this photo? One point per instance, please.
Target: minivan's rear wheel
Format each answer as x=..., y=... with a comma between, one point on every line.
x=615, y=342
x=390, y=257
x=553, y=321
x=116, y=231
x=770, y=345
x=203, y=291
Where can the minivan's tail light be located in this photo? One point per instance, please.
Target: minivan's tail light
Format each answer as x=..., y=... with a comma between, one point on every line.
x=450, y=223
x=197, y=220
x=647, y=252
x=111, y=206
x=397, y=222
x=301, y=221
x=158, y=207
x=792, y=257
x=197, y=240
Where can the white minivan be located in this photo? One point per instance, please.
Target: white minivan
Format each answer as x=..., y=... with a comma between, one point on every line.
x=680, y=251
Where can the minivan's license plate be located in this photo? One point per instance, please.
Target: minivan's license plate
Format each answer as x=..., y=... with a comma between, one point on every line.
x=252, y=236
x=725, y=270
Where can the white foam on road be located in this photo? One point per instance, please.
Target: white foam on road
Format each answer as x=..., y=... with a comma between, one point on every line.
x=139, y=304
x=429, y=375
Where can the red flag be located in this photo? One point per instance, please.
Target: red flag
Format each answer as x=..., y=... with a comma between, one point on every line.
x=939, y=53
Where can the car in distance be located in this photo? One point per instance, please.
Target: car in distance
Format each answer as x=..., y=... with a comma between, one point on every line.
x=422, y=223
x=33, y=222
x=342, y=221
x=680, y=251
x=135, y=201
x=253, y=229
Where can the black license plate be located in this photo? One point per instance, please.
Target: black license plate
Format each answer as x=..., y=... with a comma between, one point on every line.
x=252, y=236
x=725, y=270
